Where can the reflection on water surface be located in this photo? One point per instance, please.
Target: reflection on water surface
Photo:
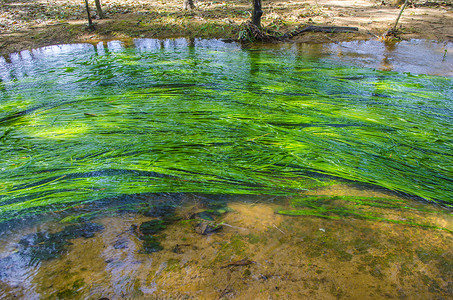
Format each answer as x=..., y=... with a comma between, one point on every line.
x=152, y=162
x=415, y=56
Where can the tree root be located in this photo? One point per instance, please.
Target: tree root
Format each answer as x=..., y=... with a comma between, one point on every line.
x=391, y=35
x=251, y=33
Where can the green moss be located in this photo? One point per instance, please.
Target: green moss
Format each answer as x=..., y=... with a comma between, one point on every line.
x=69, y=293
x=362, y=245
x=322, y=243
x=337, y=291
x=377, y=272
x=343, y=255
x=406, y=269
x=246, y=273
x=253, y=238
x=151, y=244
x=66, y=294
x=173, y=264
x=46, y=246
x=437, y=256
x=152, y=227
x=78, y=284
x=234, y=247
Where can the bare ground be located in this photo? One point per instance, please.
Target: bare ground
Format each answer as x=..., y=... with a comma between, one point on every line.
x=28, y=24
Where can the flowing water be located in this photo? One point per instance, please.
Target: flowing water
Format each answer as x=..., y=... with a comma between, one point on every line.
x=193, y=168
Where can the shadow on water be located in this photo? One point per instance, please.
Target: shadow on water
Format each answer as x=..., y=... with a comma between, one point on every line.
x=187, y=168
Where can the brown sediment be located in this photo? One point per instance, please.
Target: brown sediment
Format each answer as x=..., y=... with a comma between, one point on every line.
x=260, y=254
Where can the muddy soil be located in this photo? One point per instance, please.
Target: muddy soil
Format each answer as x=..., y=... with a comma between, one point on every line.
x=28, y=24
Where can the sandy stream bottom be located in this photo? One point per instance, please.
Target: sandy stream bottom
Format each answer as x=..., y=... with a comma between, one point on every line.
x=258, y=254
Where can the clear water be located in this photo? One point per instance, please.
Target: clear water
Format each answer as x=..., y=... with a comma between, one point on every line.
x=322, y=172
x=80, y=123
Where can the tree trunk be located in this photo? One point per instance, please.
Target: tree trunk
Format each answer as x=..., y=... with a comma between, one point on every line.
x=90, y=22
x=99, y=9
x=188, y=4
x=313, y=28
x=399, y=16
x=257, y=13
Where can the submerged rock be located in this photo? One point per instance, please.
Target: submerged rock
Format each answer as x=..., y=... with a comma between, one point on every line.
x=147, y=233
x=152, y=227
x=151, y=244
x=207, y=224
x=205, y=228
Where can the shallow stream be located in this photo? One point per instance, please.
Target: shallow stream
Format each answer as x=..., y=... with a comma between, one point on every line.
x=202, y=169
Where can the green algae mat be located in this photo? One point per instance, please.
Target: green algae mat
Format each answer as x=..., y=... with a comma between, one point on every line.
x=81, y=123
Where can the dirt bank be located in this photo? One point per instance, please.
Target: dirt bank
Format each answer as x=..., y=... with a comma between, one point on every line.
x=28, y=24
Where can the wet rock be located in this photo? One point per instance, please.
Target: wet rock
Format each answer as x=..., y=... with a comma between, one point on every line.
x=45, y=245
x=205, y=228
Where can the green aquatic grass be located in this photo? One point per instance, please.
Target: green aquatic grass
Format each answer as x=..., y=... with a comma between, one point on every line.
x=397, y=211
x=86, y=125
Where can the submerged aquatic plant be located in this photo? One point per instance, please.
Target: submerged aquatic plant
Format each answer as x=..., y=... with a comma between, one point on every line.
x=89, y=124
x=365, y=208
